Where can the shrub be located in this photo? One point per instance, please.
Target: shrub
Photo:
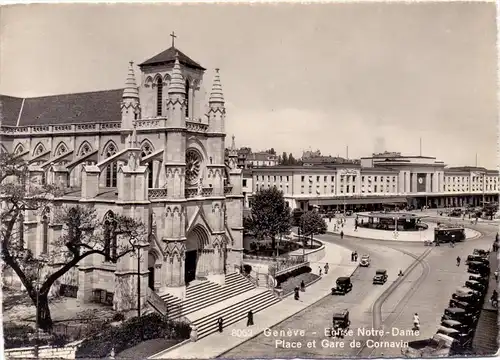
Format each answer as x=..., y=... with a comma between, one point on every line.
x=131, y=333
x=247, y=269
x=118, y=317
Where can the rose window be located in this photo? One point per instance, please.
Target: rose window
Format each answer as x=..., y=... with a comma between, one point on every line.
x=193, y=167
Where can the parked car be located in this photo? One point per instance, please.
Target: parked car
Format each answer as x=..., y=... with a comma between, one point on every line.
x=380, y=277
x=477, y=258
x=481, y=279
x=365, y=261
x=472, y=308
x=459, y=315
x=469, y=298
x=457, y=325
x=476, y=285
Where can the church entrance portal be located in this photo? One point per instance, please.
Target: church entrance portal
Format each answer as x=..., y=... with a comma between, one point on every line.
x=196, y=241
x=151, y=269
x=191, y=258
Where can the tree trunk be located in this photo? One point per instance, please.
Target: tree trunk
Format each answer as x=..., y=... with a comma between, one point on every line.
x=273, y=243
x=44, y=318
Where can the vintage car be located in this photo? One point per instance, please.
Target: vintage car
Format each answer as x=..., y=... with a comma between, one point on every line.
x=365, y=261
x=344, y=285
x=476, y=267
x=462, y=339
x=457, y=325
x=469, y=298
x=477, y=258
x=455, y=212
x=476, y=285
x=481, y=279
x=472, y=308
x=380, y=277
x=340, y=323
x=459, y=315
x=481, y=252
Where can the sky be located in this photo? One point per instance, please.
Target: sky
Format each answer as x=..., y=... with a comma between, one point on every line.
x=367, y=77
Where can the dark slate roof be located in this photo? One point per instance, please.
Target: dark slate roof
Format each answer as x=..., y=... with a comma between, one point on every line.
x=9, y=109
x=89, y=107
x=168, y=56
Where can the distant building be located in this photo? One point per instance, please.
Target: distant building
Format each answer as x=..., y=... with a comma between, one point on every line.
x=247, y=159
x=385, y=178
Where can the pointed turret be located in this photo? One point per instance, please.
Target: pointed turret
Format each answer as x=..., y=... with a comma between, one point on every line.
x=131, y=90
x=217, y=110
x=177, y=85
x=216, y=95
x=176, y=100
x=130, y=106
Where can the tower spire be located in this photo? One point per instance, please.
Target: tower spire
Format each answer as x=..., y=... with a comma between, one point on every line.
x=216, y=95
x=131, y=90
x=233, y=145
x=177, y=81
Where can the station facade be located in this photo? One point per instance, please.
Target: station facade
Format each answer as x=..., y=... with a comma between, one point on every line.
x=386, y=178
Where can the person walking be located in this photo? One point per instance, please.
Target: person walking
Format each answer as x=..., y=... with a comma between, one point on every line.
x=296, y=293
x=302, y=286
x=458, y=260
x=341, y=234
x=220, y=323
x=496, y=275
x=327, y=267
x=250, y=318
x=319, y=270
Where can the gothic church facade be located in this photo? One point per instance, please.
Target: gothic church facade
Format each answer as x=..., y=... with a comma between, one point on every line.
x=153, y=151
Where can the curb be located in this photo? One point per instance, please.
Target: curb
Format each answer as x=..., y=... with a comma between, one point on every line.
x=279, y=322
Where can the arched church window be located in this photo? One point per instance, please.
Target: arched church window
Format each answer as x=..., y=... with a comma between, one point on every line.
x=39, y=149
x=159, y=96
x=147, y=149
x=110, y=237
x=45, y=234
x=85, y=148
x=19, y=149
x=61, y=149
x=187, y=98
x=111, y=169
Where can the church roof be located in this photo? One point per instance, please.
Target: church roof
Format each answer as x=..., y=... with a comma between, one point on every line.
x=168, y=56
x=89, y=107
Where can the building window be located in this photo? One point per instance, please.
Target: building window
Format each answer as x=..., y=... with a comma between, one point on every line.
x=112, y=168
x=45, y=234
x=310, y=189
x=375, y=179
x=348, y=188
x=110, y=238
x=317, y=178
x=375, y=188
x=354, y=188
x=244, y=182
x=325, y=178
x=333, y=178
x=187, y=98
x=159, y=96
x=147, y=149
x=362, y=178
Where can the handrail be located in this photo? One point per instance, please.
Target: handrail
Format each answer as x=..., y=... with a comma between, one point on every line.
x=157, y=302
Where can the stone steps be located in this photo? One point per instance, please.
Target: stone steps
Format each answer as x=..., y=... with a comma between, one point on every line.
x=207, y=293
x=208, y=324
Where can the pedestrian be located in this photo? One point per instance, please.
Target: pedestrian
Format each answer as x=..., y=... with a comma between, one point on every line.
x=326, y=268
x=319, y=270
x=250, y=318
x=352, y=256
x=496, y=275
x=296, y=291
x=220, y=323
x=458, y=260
x=496, y=238
x=355, y=255
x=341, y=234
x=302, y=286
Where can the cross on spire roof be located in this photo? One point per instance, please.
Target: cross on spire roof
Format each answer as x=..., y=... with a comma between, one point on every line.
x=173, y=36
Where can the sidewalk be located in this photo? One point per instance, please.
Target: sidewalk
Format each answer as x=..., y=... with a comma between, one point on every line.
x=339, y=260
x=374, y=234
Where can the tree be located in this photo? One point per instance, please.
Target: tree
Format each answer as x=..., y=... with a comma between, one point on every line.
x=291, y=159
x=284, y=159
x=312, y=224
x=82, y=234
x=270, y=215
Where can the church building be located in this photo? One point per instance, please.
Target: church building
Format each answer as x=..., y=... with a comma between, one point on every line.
x=153, y=150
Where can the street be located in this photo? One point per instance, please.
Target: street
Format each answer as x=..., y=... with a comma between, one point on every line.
x=426, y=290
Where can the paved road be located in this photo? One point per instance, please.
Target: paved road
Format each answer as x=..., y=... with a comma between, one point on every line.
x=316, y=318
x=427, y=295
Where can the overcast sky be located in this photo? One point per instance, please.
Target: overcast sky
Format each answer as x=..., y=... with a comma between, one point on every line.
x=368, y=76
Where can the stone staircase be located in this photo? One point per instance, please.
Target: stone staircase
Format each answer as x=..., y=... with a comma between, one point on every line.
x=207, y=325
x=205, y=294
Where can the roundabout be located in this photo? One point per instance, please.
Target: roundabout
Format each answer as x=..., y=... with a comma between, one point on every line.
x=405, y=227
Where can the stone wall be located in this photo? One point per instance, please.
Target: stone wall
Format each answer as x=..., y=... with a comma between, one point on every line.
x=44, y=352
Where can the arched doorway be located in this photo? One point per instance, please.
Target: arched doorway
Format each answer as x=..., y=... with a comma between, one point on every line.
x=151, y=269
x=196, y=241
